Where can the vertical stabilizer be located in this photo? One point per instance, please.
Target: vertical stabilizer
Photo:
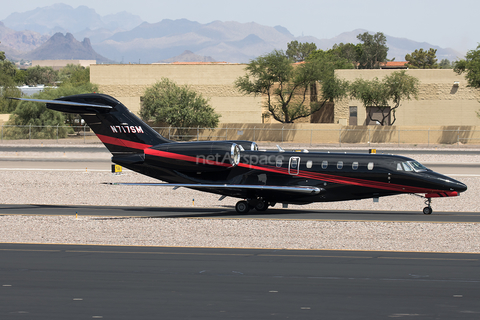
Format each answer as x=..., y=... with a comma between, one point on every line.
x=117, y=127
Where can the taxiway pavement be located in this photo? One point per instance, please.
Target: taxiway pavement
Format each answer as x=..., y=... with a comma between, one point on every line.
x=109, y=282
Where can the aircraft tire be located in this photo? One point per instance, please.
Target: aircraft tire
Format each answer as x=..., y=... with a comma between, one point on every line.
x=261, y=206
x=242, y=207
x=427, y=210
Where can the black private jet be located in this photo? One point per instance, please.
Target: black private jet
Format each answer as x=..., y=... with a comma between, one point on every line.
x=238, y=169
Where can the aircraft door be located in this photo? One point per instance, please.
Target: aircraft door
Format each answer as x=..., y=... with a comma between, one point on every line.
x=294, y=165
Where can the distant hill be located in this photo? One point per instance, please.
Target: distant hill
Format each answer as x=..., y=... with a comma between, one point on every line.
x=60, y=17
x=222, y=41
x=13, y=43
x=230, y=41
x=64, y=47
x=124, y=37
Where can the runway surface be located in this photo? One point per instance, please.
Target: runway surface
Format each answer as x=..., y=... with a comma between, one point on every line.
x=107, y=282
x=230, y=213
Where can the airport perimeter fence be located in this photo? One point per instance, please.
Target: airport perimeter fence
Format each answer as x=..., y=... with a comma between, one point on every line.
x=365, y=135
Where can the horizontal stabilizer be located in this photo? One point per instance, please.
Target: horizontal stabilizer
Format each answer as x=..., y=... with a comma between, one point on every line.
x=293, y=189
x=68, y=106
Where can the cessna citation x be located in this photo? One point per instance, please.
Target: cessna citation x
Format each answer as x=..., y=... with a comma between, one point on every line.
x=238, y=169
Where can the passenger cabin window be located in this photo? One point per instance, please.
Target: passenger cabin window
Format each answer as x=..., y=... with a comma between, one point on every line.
x=294, y=163
x=278, y=163
x=339, y=165
x=370, y=166
x=309, y=164
x=399, y=167
x=355, y=165
x=324, y=164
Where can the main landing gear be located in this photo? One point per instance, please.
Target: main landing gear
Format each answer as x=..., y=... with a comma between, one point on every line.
x=244, y=206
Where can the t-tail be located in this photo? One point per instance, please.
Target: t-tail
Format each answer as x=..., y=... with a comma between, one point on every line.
x=117, y=127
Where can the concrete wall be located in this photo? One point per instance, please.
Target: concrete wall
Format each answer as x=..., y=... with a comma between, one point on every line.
x=4, y=118
x=439, y=103
x=331, y=134
x=127, y=83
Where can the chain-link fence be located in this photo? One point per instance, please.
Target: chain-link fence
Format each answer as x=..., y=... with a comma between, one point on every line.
x=343, y=135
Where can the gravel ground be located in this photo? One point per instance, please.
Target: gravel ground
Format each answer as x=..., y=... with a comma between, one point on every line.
x=87, y=188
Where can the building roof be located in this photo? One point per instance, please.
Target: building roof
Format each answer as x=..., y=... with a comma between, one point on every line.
x=394, y=65
x=195, y=62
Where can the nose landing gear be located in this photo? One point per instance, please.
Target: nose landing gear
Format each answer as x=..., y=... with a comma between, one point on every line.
x=428, y=202
x=428, y=208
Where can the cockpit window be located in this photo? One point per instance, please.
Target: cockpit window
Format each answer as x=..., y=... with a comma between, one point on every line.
x=417, y=166
x=412, y=166
x=406, y=166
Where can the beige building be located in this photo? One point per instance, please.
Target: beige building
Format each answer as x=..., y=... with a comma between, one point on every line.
x=214, y=81
x=59, y=64
x=443, y=100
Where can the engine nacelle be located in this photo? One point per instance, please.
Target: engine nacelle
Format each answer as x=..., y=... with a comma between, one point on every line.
x=194, y=156
x=246, y=145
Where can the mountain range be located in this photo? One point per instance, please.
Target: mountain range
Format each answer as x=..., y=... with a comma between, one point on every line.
x=125, y=38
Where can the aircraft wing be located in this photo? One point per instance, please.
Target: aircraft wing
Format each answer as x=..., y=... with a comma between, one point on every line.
x=306, y=190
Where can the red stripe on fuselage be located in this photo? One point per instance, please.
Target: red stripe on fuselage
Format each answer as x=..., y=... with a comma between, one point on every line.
x=303, y=174
x=176, y=156
x=122, y=142
x=345, y=180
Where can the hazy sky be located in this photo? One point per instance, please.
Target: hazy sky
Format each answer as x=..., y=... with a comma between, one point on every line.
x=454, y=24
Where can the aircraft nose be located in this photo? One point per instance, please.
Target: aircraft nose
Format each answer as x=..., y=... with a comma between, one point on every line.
x=459, y=186
x=451, y=184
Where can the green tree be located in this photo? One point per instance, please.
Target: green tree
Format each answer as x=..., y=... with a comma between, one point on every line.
x=74, y=74
x=385, y=95
x=372, y=51
x=299, y=51
x=348, y=51
x=420, y=59
x=331, y=88
x=7, y=84
x=286, y=86
x=471, y=67
x=37, y=121
x=445, y=64
x=41, y=75
x=178, y=106
x=20, y=77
